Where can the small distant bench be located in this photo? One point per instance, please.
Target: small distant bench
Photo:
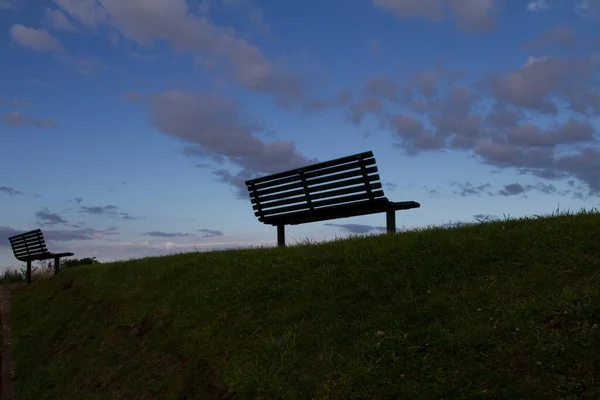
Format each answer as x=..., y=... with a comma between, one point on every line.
x=30, y=246
x=340, y=188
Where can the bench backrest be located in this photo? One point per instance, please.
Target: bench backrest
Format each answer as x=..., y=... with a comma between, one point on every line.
x=27, y=245
x=341, y=181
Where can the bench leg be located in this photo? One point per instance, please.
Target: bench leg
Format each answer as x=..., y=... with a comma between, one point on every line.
x=28, y=273
x=281, y=235
x=390, y=219
x=56, y=265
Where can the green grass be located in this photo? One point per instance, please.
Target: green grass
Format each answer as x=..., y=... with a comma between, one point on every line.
x=500, y=310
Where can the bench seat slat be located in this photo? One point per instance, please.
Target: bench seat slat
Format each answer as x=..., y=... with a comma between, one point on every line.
x=364, y=207
x=25, y=252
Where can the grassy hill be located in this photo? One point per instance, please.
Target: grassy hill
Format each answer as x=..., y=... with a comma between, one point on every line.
x=507, y=309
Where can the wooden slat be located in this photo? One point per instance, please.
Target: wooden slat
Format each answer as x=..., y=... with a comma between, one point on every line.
x=309, y=173
x=309, y=168
x=311, y=182
x=340, y=176
x=339, y=200
x=339, y=168
x=317, y=196
x=30, y=249
x=312, y=188
x=28, y=245
x=348, y=182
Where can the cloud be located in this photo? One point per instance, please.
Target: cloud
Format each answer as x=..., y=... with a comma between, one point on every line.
x=209, y=233
x=390, y=186
x=87, y=65
x=15, y=118
x=516, y=189
x=108, y=210
x=358, y=228
x=468, y=189
x=10, y=191
x=76, y=234
x=538, y=5
x=45, y=217
x=40, y=40
x=57, y=235
x=6, y=232
x=470, y=15
x=173, y=22
x=375, y=47
x=8, y=5
x=484, y=217
x=507, y=119
x=588, y=9
x=58, y=20
x=218, y=127
x=558, y=36
x=89, y=12
x=15, y=102
x=35, y=39
x=168, y=235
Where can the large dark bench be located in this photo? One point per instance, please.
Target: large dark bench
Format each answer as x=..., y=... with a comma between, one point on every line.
x=30, y=246
x=340, y=188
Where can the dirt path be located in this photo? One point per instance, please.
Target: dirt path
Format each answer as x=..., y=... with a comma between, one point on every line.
x=6, y=365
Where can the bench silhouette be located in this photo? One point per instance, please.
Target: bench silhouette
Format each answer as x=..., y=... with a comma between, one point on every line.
x=341, y=188
x=31, y=246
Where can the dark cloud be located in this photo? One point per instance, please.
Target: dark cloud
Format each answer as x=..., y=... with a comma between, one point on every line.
x=468, y=189
x=76, y=234
x=209, y=233
x=47, y=218
x=99, y=210
x=358, y=228
x=514, y=189
x=390, y=186
x=469, y=15
x=17, y=119
x=108, y=210
x=557, y=36
x=218, y=127
x=217, y=49
x=10, y=191
x=484, y=217
x=58, y=235
x=508, y=119
x=167, y=234
x=6, y=232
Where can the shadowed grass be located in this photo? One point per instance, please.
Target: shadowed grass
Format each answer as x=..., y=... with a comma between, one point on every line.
x=503, y=309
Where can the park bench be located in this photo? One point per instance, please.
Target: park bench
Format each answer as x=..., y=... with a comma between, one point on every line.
x=340, y=188
x=30, y=246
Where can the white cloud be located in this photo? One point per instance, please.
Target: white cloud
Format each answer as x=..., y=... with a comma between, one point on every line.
x=538, y=5
x=35, y=39
x=58, y=20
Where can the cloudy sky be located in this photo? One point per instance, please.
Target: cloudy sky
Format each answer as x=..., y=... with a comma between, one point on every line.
x=127, y=128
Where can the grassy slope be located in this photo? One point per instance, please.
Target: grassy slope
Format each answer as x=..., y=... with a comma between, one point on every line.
x=501, y=310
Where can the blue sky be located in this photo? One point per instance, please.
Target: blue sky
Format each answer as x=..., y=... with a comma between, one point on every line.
x=128, y=128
